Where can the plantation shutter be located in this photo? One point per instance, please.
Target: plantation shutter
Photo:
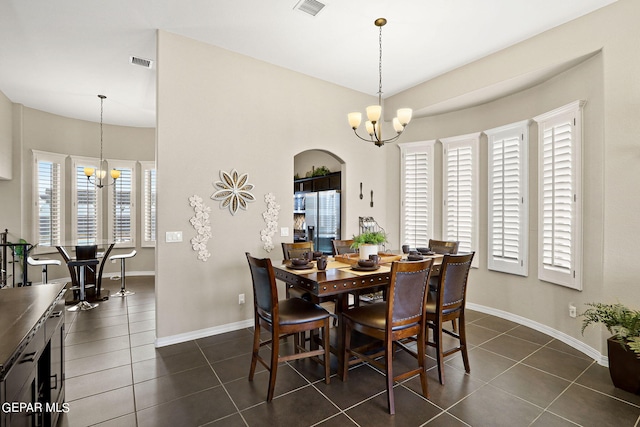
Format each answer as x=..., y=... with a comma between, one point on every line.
x=417, y=193
x=86, y=206
x=508, y=199
x=149, y=205
x=559, y=196
x=48, y=181
x=460, y=191
x=121, y=204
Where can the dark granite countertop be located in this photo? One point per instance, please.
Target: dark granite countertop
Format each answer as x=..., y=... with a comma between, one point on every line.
x=20, y=310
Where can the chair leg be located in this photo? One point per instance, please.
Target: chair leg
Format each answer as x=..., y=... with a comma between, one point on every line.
x=275, y=349
x=327, y=352
x=388, y=362
x=463, y=343
x=422, y=347
x=347, y=347
x=437, y=338
x=256, y=349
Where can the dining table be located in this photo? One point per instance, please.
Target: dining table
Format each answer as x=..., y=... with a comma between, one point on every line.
x=341, y=277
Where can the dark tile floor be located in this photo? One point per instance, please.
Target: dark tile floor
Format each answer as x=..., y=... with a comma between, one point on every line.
x=519, y=377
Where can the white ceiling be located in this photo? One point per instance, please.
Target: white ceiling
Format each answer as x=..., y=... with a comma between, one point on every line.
x=56, y=56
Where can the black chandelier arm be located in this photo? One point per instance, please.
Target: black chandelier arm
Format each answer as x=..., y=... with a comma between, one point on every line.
x=375, y=139
x=99, y=183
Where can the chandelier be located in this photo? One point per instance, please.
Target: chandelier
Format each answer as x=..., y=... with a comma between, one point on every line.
x=101, y=173
x=374, y=112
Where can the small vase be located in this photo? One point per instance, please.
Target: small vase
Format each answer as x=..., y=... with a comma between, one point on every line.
x=366, y=250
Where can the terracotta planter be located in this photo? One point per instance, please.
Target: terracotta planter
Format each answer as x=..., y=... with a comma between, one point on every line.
x=624, y=367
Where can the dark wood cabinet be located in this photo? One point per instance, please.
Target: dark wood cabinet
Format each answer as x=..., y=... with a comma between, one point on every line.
x=332, y=181
x=32, y=355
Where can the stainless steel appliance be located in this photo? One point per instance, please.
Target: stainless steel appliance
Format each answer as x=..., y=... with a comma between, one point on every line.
x=322, y=218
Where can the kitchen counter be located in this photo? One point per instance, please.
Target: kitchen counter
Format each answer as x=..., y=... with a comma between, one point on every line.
x=21, y=309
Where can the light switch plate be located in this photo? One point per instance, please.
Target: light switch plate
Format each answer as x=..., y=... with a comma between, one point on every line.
x=284, y=231
x=173, y=236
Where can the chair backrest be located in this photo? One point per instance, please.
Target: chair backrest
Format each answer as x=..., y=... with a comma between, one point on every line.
x=86, y=252
x=265, y=292
x=443, y=246
x=452, y=286
x=296, y=250
x=407, y=293
x=341, y=247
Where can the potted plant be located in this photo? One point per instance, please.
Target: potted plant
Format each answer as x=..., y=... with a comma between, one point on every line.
x=624, y=346
x=367, y=243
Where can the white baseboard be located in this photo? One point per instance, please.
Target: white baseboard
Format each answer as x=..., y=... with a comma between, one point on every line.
x=561, y=336
x=203, y=333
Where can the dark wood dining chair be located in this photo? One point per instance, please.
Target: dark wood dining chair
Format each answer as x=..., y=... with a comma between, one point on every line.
x=402, y=316
x=296, y=250
x=341, y=247
x=446, y=303
x=444, y=246
x=282, y=318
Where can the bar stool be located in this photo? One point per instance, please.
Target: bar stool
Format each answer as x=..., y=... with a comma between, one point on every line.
x=44, y=263
x=123, y=257
x=81, y=266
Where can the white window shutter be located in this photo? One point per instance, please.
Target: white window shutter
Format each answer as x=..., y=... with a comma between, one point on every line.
x=559, y=196
x=87, y=202
x=121, y=207
x=48, y=179
x=508, y=199
x=460, y=192
x=417, y=193
x=149, y=196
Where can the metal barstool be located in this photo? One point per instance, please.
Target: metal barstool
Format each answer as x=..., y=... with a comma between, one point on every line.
x=83, y=305
x=44, y=263
x=123, y=257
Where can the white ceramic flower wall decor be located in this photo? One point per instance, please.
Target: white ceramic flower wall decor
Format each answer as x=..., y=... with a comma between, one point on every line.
x=200, y=222
x=233, y=191
x=271, y=218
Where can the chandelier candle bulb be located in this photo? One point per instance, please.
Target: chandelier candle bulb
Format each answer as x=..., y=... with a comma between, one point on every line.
x=404, y=116
x=369, y=126
x=374, y=112
x=354, y=120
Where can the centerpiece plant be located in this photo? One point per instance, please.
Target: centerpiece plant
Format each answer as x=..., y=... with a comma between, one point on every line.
x=367, y=243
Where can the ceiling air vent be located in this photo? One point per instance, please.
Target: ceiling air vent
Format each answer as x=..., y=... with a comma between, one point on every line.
x=312, y=7
x=147, y=63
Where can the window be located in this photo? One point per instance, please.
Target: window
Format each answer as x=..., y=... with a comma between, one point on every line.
x=48, y=198
x=121, y=206
x=460, y=192
x=560, y=196
x=417, y=193
x=85, y=210
x=508, y=202
x=149, y=203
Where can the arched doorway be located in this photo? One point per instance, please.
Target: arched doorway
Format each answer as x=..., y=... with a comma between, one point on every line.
x=318, y=200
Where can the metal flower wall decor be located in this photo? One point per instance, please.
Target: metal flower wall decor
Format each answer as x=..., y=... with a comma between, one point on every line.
x=271, y=218
x=200, y=222
x=233, y=191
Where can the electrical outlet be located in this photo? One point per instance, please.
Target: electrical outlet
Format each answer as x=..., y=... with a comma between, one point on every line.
x=240, y=298
x=284, y=231
x=572, y=310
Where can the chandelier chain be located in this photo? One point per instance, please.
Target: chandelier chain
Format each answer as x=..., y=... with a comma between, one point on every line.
x=101, y=111
x=380, y=69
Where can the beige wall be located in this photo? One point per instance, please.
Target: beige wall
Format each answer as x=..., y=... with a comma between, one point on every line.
x=218, y=110
x=37, y=130
x=609, y=83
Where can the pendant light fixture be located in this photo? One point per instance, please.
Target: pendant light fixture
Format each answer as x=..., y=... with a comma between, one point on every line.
x=374, y=112
x=101, y=173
